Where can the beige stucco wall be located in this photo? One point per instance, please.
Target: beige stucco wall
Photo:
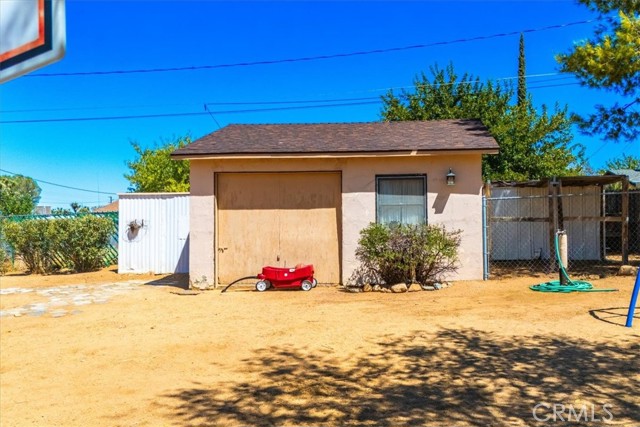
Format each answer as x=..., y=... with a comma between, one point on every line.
x=457, y=207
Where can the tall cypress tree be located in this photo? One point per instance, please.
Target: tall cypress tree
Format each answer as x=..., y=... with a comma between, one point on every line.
x=522, y=82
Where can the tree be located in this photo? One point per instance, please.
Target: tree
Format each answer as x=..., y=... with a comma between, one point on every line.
x=153, y=170
x=624, y=162
x=76, y=208
x=610, y=60
x=79, y=209
x=19, y=195
x=522, y=74
x=61, y=211
x=532, y=144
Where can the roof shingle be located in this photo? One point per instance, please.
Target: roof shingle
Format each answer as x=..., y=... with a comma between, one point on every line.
x=336, y=138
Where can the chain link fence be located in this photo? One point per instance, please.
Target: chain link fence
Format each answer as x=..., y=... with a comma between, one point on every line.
x=521, y=225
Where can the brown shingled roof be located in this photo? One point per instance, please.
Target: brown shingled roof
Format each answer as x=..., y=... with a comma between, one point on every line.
x=111, y=207
x=337, y=138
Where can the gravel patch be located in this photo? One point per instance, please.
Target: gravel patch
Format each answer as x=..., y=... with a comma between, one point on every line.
x=69, y=296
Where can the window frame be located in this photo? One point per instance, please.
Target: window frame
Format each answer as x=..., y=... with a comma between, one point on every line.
x=423, y=177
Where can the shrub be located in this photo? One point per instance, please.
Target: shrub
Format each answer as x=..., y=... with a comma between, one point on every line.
x=84, y=241
x=80, y=243
x=35, y=241
x=5, y=262
x=407, y=253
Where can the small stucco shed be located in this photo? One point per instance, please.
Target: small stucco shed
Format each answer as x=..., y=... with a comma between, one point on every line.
x=283, y=194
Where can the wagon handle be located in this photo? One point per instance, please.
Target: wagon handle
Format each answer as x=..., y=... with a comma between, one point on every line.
x=236, y=281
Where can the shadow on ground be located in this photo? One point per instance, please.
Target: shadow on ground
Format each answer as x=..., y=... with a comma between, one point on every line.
x=178, y=280
x=462, y=378
x=613, y=315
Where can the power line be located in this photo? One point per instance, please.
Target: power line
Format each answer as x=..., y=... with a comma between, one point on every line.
x=97, y=107
x=562, y=84
x=308, y=101
x=373, y=100
x=152, y=116
x=58, y=185
x=206, y=108
x=311, y=58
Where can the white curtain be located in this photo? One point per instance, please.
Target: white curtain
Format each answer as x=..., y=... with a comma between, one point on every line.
x=401, y=200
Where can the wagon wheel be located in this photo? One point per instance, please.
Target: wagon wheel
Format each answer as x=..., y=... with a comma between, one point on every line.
x=314, y=282
x=306, y=285
x=262, y=286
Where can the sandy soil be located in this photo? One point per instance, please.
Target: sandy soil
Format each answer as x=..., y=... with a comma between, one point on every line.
x=112, y=352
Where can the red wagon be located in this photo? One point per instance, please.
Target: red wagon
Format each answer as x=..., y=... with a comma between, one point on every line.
x=286, y=278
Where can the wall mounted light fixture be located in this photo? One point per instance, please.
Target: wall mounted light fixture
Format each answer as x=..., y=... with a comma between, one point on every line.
x=451, y=178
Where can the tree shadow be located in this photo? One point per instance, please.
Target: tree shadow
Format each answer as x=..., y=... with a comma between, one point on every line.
x=462, y=378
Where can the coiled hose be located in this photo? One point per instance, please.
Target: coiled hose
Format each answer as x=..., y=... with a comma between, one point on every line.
x=570, y=286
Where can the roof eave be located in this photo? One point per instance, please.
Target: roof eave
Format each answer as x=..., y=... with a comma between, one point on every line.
x=345, y=154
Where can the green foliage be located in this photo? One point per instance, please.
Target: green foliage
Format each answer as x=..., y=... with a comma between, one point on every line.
x=522, y=74
x=5, y=262
x=84, y=241
x=153, y=170
x=19, y=195
x=34, y=241
x=407, y=253
x=532, y=144
x=624, y=162
x=61, y=211
x=47, y=244
x=610, y=60
x=76, y=208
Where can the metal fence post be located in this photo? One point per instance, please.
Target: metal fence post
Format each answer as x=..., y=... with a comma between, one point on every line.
x=485, y=253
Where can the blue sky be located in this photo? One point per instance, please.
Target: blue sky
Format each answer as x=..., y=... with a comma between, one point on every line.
x=124, y=35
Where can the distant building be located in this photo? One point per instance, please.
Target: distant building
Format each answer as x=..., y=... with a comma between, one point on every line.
x=43, y=210
x=634, y=175
x=111, y=207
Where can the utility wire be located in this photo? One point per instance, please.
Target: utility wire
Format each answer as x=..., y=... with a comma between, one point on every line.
x=311, y=58
x=208, y=112
x=373, y=100
x=308, y=101
x=57, y=185
x=206, y=108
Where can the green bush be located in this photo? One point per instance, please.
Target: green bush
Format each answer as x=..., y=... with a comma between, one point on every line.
x=84, y=241
x=35, y=241
x=79, y=243
x=5, y=261
x=407, y=253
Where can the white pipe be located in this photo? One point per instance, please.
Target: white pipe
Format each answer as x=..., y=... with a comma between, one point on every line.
x=563, y=248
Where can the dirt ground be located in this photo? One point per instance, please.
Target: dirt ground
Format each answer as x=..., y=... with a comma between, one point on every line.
x=102, y=349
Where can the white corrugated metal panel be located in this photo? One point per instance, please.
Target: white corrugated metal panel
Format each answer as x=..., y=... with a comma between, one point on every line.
x=583, y=237
x=161, y=244
x=530, y=240
x=519, y=240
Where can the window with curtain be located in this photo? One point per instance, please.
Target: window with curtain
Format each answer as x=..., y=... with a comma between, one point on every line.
x=401, y=199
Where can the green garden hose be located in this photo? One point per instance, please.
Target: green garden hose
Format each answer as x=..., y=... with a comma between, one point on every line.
x=570, y=286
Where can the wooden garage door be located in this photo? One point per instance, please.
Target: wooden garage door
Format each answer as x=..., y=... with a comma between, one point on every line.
x=278, y=219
